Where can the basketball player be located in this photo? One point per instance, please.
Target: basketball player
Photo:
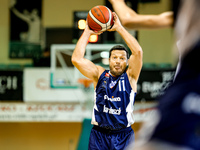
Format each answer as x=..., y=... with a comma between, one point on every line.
x=115, y=90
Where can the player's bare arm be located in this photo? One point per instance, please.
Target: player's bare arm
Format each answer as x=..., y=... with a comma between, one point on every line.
x=135, y=60
x=130, y=19
x=85, y=66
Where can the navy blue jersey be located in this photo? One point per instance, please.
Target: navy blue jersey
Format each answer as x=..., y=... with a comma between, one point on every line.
x=113, y=102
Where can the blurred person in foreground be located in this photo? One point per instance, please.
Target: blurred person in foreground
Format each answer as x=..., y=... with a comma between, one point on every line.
x=176, y=124
x=115, y=89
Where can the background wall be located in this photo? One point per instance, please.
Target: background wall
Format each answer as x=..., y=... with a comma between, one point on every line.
x=156, y=44
x=60, y=13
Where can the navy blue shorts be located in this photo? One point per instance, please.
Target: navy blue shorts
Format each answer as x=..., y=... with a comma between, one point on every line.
x=104, y=139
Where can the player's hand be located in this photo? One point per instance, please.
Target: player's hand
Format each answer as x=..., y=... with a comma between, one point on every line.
x=117, y=23
x=87, y=29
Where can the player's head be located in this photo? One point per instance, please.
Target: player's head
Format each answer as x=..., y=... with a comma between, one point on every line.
x=119, y=47
x=118, y=60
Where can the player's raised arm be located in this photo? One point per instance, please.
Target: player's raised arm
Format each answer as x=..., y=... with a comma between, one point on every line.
x=130, y=19
x=135, y=60
x=85, y=66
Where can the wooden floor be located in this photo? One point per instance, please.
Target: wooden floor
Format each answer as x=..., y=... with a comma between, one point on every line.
x=42, y=136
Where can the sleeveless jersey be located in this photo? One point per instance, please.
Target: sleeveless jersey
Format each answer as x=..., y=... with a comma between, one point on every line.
x=113, y=102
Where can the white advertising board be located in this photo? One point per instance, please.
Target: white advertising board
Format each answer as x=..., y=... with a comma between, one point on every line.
x=43, y=112
x=40, y=112
x=37, y=88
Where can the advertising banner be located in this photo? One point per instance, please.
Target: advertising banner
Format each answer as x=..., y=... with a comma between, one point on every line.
x=153, y=83
x=71, y=112
x=11, y=85
x=26, y=31
x=37, y=88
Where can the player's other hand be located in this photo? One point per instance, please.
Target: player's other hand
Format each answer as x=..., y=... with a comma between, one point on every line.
x=117, y=23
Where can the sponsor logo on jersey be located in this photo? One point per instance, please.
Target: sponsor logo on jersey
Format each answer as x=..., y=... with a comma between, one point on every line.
x=116, y=99
x=107, y=75
x=111, y=110
x=112, y=84
x=104, y=84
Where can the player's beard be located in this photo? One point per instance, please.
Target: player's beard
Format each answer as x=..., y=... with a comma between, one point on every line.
x=114, y=72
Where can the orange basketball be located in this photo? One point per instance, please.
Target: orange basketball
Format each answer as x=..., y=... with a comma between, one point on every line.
x=100, y=18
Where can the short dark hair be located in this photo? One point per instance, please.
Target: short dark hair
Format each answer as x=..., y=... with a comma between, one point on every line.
x=119, y=47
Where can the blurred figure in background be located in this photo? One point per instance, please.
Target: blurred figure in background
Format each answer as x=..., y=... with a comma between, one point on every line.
x=176, y=124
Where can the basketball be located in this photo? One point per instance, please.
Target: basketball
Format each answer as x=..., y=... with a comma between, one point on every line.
x=100, y=18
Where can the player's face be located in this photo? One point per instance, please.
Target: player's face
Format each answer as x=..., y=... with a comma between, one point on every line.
x=118, y=62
